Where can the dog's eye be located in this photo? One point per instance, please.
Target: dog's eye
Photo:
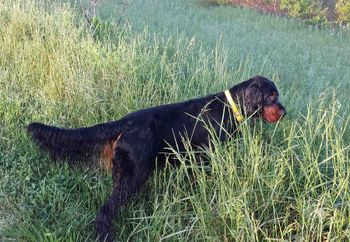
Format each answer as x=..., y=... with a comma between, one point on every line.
x=272, y=96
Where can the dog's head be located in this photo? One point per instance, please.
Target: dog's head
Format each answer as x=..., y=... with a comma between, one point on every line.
x=260, y=100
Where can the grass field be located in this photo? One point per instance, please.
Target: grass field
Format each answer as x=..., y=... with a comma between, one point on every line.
x=281, y=182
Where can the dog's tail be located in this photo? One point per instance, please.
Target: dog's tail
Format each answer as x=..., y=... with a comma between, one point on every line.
x=77, y=143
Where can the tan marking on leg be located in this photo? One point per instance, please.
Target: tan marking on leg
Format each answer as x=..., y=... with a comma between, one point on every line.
x=107, y=154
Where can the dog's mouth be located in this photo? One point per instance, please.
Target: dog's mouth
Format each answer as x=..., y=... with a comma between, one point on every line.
x=273, y=113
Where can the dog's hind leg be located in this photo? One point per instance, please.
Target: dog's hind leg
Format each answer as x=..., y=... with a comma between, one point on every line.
x=133, y=162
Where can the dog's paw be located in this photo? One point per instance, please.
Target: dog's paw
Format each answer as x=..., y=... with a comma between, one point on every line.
x=103, y=226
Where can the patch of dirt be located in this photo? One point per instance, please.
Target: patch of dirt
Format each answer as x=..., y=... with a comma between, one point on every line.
x=259, y=5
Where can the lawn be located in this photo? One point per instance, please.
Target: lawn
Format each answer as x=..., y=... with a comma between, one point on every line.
x=288, y=181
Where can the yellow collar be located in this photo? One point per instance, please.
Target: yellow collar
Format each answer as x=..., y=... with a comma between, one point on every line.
x=234, y=107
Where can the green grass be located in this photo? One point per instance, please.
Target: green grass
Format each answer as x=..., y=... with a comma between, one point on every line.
x=284, y=182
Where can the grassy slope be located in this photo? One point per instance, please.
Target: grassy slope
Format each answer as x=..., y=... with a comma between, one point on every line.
x=305, y=59
x=283, y=183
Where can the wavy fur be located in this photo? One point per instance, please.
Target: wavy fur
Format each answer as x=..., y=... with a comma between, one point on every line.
x=131, y=144
x=73, y=143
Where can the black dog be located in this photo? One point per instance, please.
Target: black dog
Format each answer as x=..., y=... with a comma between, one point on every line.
x=129, y=146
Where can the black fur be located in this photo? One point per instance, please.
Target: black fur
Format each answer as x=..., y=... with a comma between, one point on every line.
x=139, y=138
x=73, y=143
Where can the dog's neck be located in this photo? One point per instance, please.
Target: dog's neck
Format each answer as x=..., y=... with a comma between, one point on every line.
x=237, y=114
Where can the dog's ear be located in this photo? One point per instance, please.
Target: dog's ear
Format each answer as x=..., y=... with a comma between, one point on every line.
x=252, y=98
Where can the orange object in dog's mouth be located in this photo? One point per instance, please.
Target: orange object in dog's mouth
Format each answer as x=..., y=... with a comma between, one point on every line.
x=273, y=113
